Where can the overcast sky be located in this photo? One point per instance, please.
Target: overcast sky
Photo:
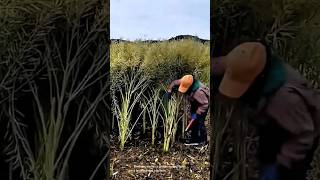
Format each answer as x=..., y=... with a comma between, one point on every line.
x=159, y=19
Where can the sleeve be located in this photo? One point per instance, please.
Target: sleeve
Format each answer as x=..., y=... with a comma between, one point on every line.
x=203, y=101
x=174, y=84
x=291, y=113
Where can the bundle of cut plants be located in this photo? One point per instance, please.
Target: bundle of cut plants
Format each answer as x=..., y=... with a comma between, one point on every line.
x=228, y=147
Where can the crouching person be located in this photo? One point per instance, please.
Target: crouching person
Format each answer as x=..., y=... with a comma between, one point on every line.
x=198, y=95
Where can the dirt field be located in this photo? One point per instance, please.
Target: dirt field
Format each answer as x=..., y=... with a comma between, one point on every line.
x=142, y=161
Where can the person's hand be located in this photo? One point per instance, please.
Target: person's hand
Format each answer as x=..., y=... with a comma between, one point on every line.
x=194, y=116
x=167, y=95
x=269, y=172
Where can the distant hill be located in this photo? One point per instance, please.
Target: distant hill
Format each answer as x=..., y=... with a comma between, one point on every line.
x=182, y=37
x=176, y=38
x=118, y=40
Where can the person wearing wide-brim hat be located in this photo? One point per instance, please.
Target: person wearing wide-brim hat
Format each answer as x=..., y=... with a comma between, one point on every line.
x=198, y=95
x=287, y=108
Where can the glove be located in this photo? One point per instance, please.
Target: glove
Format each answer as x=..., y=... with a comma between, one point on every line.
x=194, y=116
x=167, y=95
x=269, y=172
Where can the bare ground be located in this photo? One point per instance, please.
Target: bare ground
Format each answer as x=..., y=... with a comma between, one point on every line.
x=139, y=160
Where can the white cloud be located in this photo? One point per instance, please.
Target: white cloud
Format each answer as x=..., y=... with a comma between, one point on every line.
x=159, y=19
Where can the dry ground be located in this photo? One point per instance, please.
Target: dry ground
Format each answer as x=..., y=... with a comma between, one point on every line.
x=140, y=160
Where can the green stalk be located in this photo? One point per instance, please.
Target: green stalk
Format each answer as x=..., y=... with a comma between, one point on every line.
x=153, y=112
x=144, y=121
x=185, y=118
x=170, y=120
x=222, y=114
x=230, y=131
x=134, y=85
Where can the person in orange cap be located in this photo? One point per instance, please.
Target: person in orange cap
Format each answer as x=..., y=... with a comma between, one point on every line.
x=286, y=108
x=198, y=95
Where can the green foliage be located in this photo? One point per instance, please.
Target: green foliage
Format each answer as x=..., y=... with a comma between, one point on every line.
x=171, y=118
x=153, y=109
x=163, y=61
x=131, y=90
x=125, y=56
x=171, y=60
x=43, y=47
x=291, y=27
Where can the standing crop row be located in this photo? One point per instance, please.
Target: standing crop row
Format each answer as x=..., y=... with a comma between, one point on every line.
x=131, y=90
x=132, y=99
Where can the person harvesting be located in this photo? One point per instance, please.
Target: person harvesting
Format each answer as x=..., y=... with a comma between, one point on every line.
x=286, y=108
x=198, y=95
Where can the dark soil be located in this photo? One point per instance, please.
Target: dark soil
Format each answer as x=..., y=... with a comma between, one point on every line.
x=139, y=160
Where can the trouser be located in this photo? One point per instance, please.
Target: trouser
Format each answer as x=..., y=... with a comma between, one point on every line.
x=198, y=129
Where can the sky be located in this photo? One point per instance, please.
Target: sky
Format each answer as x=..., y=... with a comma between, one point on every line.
x=159, y=19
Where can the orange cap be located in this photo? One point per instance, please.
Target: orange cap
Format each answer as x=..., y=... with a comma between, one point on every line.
x=186, y=82
x=243, y=64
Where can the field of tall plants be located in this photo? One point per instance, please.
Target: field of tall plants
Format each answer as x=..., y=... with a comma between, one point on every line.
x=146, y=126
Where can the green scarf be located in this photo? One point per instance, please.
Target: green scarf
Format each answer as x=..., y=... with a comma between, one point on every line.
x=276, y=76
x=195, y=86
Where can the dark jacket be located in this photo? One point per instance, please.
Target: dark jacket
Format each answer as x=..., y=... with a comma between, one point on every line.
x=290, y=122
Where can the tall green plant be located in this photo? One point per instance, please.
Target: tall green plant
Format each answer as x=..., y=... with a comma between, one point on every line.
x=37, y=60
x=162, y=61
x=170, y=119
x=131, y=90
x=229, y=144
x=143, y=105
x=154, y=107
